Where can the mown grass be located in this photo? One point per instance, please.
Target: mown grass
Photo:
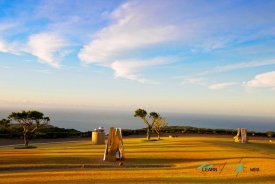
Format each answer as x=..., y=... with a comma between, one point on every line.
x=171, y=160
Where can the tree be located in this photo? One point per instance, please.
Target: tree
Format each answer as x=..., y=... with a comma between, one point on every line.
x=142, y=114
x=158, y=124
x=27, y=119
x=154, y=116
x=5, y=123
x=270, y=133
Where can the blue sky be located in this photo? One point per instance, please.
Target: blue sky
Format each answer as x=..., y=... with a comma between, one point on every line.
x=191, y=56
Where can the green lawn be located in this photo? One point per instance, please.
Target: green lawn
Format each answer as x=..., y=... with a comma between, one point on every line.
x=171, y=160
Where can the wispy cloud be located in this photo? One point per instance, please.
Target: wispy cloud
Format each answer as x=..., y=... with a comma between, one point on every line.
x=6, y=26
x=230, y=67
x=128, y=68
x=221, y=85
x=12, y=47
x=264, y=80
x=47, y=47
x=197, y=81
x=225, y=68
x=7, y=67
x=203, y=82
x=42, y=71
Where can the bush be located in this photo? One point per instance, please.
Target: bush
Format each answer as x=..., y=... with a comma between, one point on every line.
x=231, y=132
x=201, y=130
x=140, y=131
x=250, y=133
x=270, y=133
x=220, y=131
x=261, y=134
x=5, y=136
x=208, y=131
x=126, y=132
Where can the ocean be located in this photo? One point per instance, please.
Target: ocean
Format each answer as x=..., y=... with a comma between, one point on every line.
x=87, y=119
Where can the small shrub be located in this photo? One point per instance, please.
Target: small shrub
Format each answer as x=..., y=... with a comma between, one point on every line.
x=233, y=132
x=270, y=133
x=208, y=131
x=201, y=130
x=220, y=131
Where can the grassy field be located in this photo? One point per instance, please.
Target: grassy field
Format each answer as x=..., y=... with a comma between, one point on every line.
x=171, y=160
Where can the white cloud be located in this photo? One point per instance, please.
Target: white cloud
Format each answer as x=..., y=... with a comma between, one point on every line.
x=132, y=30
x=114, y=41
x=47, y=47
x=3, y=47
x=221, y=85
x=265, y=80
x=127, y=68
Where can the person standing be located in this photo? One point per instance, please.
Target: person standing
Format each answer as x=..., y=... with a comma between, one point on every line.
x=118, y=154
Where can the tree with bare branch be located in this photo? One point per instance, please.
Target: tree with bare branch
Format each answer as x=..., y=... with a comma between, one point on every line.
x=158, y=124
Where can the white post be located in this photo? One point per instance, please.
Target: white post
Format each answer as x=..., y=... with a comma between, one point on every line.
x=244, y=136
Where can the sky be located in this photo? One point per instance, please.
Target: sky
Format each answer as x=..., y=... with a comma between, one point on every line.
x=177, y=55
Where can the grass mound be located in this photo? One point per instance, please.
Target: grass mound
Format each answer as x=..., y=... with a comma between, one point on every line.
x=25, y=147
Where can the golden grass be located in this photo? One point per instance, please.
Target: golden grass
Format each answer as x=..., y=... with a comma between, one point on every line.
x=171, y=160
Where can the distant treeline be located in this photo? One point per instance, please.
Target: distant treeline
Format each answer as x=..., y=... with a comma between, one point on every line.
x=194, y=130
x=46, y=132
x=52, y=132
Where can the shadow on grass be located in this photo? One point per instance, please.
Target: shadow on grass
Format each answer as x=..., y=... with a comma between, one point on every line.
x=251, y=146
x=25, y=147
x=175, y=161
x=196, y=179
x=108, y=165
